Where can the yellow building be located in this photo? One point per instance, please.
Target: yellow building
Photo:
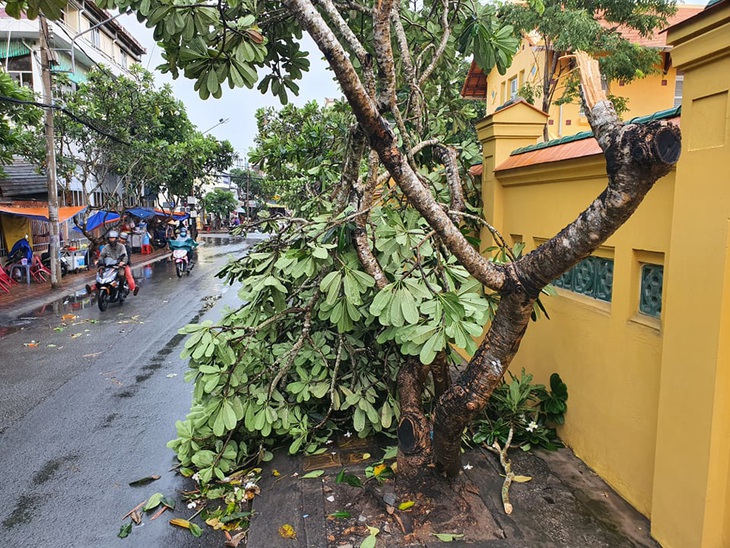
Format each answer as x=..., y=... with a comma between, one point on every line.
x=640, y=332
x=655, y=92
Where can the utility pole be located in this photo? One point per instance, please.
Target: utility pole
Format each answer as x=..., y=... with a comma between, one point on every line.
x=54, y=247
x=248, y=197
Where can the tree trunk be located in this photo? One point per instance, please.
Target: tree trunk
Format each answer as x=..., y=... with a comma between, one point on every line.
x=414, y=429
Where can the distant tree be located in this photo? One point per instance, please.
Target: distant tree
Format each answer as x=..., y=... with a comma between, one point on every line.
x=251, y=182
x=128, y=139
x=220, y=203
x=594, y=27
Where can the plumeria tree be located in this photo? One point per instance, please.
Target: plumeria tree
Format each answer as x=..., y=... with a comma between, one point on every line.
x=391, y=234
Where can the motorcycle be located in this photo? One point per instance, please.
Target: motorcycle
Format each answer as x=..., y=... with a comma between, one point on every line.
x=111, y=287
x=182, y=264
x=63, y=259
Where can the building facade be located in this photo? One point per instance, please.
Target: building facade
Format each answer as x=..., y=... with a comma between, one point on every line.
x=640, y=331
x=658, y=91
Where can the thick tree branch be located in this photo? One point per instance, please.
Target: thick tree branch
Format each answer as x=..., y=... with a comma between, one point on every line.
x=448, y=156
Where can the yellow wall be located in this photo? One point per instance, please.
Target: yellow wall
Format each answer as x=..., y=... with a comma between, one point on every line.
x=649, y=405
x=609, y=354
x=693, y=441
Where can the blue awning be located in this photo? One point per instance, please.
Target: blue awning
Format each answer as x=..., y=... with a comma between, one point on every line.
x=142, y=212
x=100, y=218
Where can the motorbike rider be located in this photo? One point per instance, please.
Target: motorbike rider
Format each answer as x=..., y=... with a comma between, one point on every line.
x=184, y=241
x=116, y=251
x=123, y=240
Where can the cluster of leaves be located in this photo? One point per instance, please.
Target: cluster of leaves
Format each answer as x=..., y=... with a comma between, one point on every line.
x=531, y=411
x=316, y=347
x=19, y=124
x=300, y=149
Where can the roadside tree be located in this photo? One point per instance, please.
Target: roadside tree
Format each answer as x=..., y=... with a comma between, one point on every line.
x=19, y=123
x=220, y=203
x=384, y=56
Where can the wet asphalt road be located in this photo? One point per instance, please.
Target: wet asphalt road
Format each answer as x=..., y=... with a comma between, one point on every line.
x=91, y=407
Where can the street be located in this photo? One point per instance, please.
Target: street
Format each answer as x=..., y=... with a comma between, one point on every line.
x=89, y=400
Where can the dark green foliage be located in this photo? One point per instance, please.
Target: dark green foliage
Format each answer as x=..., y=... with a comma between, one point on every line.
x=530, y=410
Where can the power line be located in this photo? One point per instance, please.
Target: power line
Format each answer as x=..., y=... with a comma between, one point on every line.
x=67, y=113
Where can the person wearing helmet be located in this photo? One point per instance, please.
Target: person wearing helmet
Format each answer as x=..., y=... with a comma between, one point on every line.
x=123, y=240
x=113, y=250
x=184, y=241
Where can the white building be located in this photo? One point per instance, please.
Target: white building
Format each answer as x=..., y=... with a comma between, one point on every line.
x=85, y=36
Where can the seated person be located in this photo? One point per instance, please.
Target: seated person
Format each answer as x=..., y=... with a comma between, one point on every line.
x=116, y=251
x=123, y=239
x=184, y=241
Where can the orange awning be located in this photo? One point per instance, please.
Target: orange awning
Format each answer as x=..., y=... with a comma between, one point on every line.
x=41, y=213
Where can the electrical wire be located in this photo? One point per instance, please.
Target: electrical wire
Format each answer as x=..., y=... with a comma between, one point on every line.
x=68, y=113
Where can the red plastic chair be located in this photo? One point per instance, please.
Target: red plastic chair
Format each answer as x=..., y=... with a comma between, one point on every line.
x=38, y=271
x=6, y=281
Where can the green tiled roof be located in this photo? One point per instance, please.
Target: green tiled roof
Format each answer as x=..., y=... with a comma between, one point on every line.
x=661, y=115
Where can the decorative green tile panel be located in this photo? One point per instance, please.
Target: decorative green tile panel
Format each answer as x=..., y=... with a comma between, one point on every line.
x=593, y=277
x=652, y=278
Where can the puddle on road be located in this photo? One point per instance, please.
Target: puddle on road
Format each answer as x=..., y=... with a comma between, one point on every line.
x=80, y=300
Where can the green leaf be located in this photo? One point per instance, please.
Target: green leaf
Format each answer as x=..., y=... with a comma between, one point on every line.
x=448, y=537
x=341, y=515
x=312, y=474
x=195, y=530
x=369, y=542
x=124, y=530
x=153, y=502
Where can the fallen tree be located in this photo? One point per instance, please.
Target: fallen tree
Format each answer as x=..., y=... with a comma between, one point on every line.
x=384, y=56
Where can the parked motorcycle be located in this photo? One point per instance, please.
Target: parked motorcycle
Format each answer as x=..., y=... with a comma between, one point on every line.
x=63, y=259
x=111, y=287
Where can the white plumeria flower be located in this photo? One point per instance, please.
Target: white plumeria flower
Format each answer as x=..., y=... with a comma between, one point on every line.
x=192, y=504
x=196, y=476
x=532, y=426
x=249, y=485
x=347, y=434
x=468, y=466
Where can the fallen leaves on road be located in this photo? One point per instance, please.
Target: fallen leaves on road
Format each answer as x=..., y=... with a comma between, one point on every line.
x=287, y=531
x=31, y=344
x=144, y=481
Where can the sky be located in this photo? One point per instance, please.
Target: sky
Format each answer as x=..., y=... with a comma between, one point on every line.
x=238, y=106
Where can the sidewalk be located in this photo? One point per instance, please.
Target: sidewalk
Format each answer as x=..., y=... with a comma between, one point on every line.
x=564, y=505
x=26, y=297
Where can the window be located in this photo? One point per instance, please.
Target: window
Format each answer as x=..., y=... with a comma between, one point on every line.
x=678, y=87
x=593, y=277
x=20, y=69
x=652, y=280
x=95, y=38
x=513, y=87
x=123, y=62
